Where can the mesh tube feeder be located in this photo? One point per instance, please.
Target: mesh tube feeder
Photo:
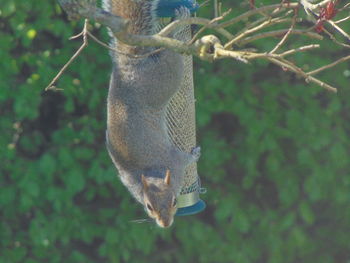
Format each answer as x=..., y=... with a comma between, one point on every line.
x=180, y=116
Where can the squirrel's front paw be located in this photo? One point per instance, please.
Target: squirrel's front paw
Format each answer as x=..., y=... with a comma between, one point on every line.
x=196, y=153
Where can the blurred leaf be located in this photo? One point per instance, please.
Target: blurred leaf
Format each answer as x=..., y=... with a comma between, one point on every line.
x=306, y=213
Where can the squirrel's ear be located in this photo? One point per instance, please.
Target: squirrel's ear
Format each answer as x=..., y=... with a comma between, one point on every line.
x=144, y=182
x=167, y=177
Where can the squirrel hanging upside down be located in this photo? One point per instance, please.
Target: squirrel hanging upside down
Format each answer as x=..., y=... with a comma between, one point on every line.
x=149, y=164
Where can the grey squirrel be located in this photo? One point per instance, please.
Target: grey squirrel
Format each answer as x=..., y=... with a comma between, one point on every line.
x=149, y=164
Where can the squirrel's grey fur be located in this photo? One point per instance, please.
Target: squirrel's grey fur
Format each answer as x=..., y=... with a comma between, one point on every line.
x=139, y=92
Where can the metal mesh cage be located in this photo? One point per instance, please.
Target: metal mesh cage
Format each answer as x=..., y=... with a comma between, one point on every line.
x=182, y=127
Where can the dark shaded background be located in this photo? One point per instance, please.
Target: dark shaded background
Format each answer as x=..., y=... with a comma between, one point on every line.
x=275, y=156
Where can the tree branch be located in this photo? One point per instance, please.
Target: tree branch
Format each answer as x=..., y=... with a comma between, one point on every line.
x=209, y=47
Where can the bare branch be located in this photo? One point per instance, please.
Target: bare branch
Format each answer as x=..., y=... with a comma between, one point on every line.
x=216, y=11
x=252, y=30
x=210, y=23
x=333, y=38
x=85, y=43
x=342, y=20
x=344, y=7
x=257, y=11
x=283, y=40
x=341, y=31
x=279, y=33
x=258, y=22
x=311, y=7
x=298, y=71
x=331, y=65
x=300, y=49
x=209, y=47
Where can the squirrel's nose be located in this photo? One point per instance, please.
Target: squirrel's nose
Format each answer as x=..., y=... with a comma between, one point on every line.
x=164, y=223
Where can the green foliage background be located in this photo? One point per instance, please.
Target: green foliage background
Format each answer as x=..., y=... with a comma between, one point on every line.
x=275, y=156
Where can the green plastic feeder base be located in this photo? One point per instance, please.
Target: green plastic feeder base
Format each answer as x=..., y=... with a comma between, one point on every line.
x=191, y=210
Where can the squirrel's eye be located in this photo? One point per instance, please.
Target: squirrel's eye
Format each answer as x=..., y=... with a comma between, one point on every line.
x=149, y=207
x=175, y=202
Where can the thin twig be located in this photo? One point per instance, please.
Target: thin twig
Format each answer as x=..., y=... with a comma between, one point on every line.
x=300, y=49
x=277, y=33
x=76, y=36
x=329, y=65
x=214, y=20
x=341, y=31
x=265, y=18
x=333, y=38
x=276, y=59
x=311, y=7
x=344, y=7
x=99, y=41
x=252, y=30
x=342, y=20
x=283, y=40
x=255, y=12
x=76, y=54
x=300, y=72
x=216, y=12
x=206, y=2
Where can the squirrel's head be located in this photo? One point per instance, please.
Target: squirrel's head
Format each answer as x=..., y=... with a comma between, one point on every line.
x=159, y=199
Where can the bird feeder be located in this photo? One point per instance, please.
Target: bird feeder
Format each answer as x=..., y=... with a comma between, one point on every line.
x=180, y=116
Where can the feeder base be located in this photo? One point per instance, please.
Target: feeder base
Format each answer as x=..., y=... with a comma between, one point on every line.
x=191, y=210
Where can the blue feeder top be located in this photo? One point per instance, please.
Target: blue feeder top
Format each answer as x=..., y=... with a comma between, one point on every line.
x=166, y=8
